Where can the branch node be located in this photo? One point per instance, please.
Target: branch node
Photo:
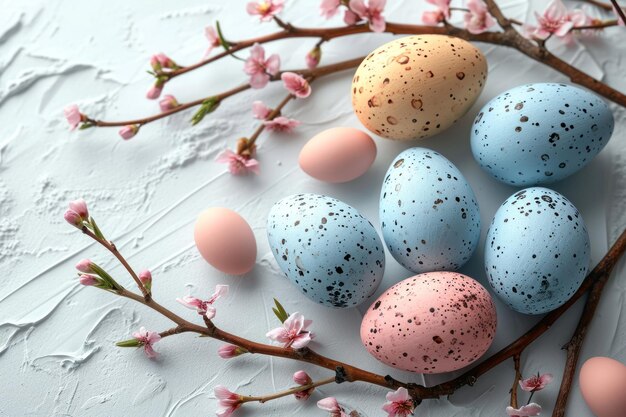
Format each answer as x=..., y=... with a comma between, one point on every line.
x=341, y=375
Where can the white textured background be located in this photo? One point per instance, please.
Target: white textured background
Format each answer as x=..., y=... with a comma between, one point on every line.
x=57, y=353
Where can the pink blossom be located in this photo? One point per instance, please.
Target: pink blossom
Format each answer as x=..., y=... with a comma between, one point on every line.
x=350, y=18
x=147, y=340
x=296, y=84
x=399, y=403
x=478, y=19
x=529, y=410
x=155, y=91
x=442, y=13
x=265, y=9
x=329, y=8
x=204, y=308
x=168, y=102
x=238, y=164
x=128, y=131
x=372, y=12
x=85, y=266
x=331, y=405
x=88, y=280
x=535, y=382
x=281, y=124
x=302, y=378
x=228, y=401
x=230, y=351
x=620, y=21
x=80, y=207
x=260, y=110
x=212, y=37
x=433, y=17
x=556, y=20
x=145, y=277
x=260, y=69
x=293, y=333
x=73, y=116
x=313, y=57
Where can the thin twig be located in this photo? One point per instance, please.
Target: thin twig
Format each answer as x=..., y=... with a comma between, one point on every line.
x=619, y=10
x=265, y=398
x=353, y=373
x=110, y=246
x=518, y=376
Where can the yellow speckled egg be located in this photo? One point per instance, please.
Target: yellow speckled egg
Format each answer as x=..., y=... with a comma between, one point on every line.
x=418, y=86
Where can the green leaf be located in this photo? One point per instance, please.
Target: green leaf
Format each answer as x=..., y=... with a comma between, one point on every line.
x=129, y=343
x=86, y=125
x=280, y=312
x=208, y=106
x=225, y=44
x=96, y=229
x=107, y=280
x=220, y=36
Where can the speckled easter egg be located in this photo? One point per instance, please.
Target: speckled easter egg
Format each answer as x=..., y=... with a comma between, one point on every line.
x=603, y=384
x=429, y=216
x=326, y=248
x=536, y=251
x=418, y=86
x=430, y=323
x=225, y=240
x=540, y=133
x=338, y=154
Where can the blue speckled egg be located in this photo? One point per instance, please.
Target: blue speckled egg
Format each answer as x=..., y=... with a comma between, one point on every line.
x=537, y=251
x=429, y=216
x=540, y=133
x=326, y=248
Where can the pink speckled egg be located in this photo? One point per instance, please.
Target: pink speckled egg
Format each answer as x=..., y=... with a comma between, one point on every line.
x=336, y=155
x=417, y=86
x=225, y=240
x=603, y=385
x=430, y=323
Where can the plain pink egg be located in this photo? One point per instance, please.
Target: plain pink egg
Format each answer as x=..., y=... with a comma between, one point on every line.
x=603, y=385
x=430, y=323
x=225, y=240
x=340, y=154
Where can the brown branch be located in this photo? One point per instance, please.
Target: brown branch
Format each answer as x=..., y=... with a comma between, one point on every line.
x=574, y=345
x=309, y=73
x=518, y=377
x=110, y=246
x=510, y=38
x=600, y=4
x=352, y=373
x=619, y=10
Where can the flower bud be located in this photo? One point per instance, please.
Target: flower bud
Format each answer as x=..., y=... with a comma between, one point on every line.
x=145, y=277
x=155, y=91
x=73, y=218
x=168, y=102
x=85, y=266
x=80, y=207
x=230, y=351
x=128, y=131
x=313, y=57
x=166, y=62
x=302, y=378
x=89, y=280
